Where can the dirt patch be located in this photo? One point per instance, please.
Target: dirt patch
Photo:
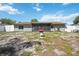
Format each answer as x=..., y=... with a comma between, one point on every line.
x=15, y=45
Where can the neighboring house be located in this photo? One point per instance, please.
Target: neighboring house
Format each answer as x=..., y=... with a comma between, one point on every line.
x=6, y=28
x=76, y=27
x=35, y=26
x=72, y=28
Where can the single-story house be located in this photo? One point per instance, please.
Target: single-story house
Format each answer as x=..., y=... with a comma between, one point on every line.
x=72, y=28
x=35, y=26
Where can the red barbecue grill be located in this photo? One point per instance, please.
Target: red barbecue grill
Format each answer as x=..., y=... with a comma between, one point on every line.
x=41, y=29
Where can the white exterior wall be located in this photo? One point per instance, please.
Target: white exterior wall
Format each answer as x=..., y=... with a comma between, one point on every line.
x=77, y=27
x=70, y=28
x=52, y=29
x=9, y=28
x=27, y=29
x=2, y=28
x=24, y=29
x=61, y=29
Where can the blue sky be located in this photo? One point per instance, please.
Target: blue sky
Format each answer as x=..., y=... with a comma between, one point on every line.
x=44, y=12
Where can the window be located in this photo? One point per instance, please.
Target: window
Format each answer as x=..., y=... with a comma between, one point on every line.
x=21, y=27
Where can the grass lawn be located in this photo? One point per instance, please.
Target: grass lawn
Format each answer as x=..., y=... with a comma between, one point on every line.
x=55, y=42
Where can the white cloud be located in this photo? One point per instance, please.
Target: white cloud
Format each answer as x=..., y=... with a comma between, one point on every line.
x=10, y=3
x=9, y=9
x=37, y=7
x=66, y=3
x=60, y=18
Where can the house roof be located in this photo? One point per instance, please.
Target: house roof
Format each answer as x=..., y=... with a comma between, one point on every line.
x=23, y=23
x=31, y=23
x=40, y=23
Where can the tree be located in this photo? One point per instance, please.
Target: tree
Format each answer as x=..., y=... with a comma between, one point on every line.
x=76, y=21
x=34, y=20
x=7, y=21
